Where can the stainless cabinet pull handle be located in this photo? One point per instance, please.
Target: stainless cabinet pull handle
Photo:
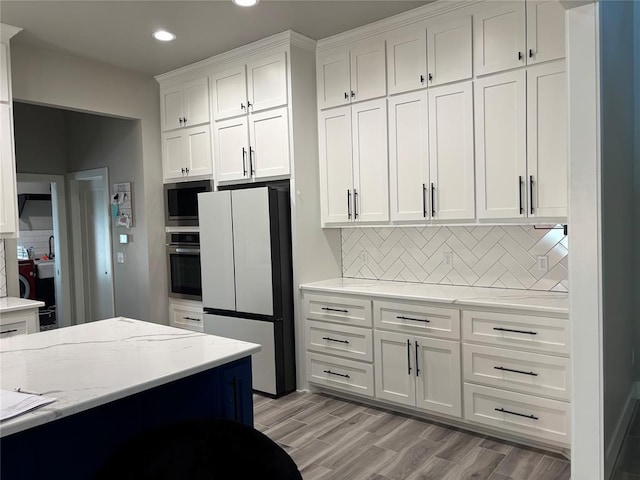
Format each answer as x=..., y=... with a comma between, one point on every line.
x=244, y=162
x=338, y=374
x=433, y=201
x=516, y=371
x=520, y=194
x=329, y=309
x=514, y=413
x=9, y=331
x=417, y=366
x=500, y=329
x=424, y=200
x=349, y=204
x=531, y=193
x=334, y=340
x=402, y=317
x=355, y=204
x=191, y=318
x=408, y=357
x=252, y=170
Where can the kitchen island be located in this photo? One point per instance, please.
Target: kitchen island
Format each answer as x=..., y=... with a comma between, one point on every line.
x=113, y=379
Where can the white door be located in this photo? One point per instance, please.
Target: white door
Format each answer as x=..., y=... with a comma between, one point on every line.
x=407, y=62
x=231, y=140
x=252, y=250
x=499, y=38
x=269, y=143
x=336, y=181
x=547, y=140
x=171, y=108
x=370, y=161
x=8, y=215
x=198, y=153
x=501, y=162
x=368, y=72
x=173, y=152
x=333, y=79
x=545, y=31
x=267, y=82
x=449, y=51
x=196, y=102
x=216, y=259
x=438, y=382
x=451, y=159
x=408, y=157
x=229, y=93
x=96, y=250
x=394, y=367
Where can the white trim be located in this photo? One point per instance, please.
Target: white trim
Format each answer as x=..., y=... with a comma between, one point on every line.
x=8, y=31
x=620, y=431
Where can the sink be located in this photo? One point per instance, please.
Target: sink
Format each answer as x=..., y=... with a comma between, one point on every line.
x=45, y=268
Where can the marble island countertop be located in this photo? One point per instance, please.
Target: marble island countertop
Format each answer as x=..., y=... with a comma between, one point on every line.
x=12, y=304
x=88, y=365
x=531, y=300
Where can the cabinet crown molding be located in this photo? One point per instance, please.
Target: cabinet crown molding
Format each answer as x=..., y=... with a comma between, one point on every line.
x=8, y=31
x=224, y=60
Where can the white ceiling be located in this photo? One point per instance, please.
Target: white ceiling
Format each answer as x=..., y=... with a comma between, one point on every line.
x=119, y=32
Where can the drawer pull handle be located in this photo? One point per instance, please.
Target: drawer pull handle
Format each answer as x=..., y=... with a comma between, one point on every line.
x=408, y=357
x=516, y=371
x=191, y=318
x=334, y=310
x=533, y=417
x=402, y=317
x=500, y=329
x=334, y=340
x=338, y=374
x=9, y=331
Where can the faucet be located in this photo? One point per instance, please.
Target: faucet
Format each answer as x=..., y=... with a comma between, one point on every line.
x=51, y=254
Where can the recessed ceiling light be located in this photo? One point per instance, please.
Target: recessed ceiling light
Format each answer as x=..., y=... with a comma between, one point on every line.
x=164, y=36
x=246, y=3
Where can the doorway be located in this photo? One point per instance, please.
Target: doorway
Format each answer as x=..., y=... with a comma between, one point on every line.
x=91, y=242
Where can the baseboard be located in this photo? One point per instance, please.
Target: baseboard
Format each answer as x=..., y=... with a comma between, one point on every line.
x=611, y=455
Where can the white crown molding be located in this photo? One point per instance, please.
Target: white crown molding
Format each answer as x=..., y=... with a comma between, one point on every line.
x=8, y=31
x=217, y=62
x=397, y=21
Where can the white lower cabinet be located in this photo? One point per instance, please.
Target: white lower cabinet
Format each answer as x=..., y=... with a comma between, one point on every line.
x=186, y=314
x=19, y=322
x=341, y=374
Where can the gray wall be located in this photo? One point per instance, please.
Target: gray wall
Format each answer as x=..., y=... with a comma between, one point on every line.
x=618, y=197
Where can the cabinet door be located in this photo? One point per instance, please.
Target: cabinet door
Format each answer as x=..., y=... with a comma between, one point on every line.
x=336, y=181
x=394, y=367
x=408, y=160
x=370, y=161
x=368, y=72
x=500, y=145
x=437, y=370
x=449, y=51
x=231, y=140
x=229, y=93
x=407, y=62
x=333, y=79
x=4, y=73
x=171, y=108
x=198, y=153
x=545, y=31
x=547, y=140
x=451, y=152
x=196, y=102
x=173, y=154
x=8, y=198
x=267, y=82
x=499, y=38
x=269, y=143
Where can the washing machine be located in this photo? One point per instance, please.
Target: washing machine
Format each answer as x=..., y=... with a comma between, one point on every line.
x=27, y=277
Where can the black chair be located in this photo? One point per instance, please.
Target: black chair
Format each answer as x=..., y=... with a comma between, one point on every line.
x=216, y=449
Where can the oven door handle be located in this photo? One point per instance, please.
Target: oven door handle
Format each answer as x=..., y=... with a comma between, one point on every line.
x=183, y=250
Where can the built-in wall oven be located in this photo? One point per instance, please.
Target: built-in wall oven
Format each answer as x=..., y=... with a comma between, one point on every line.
x=183, y=255
x=181, y=202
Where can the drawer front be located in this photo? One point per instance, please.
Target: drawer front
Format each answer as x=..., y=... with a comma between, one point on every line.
x=346, y=310
x=541, y=334
x=342, y=340
x=523, y=372
x=341, y=374
x=12, y=329
x=425, y=320
x=517, y=413
x=187, y=318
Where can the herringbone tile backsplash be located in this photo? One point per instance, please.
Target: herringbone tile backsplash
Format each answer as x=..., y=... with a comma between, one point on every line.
x=3, y=272
x=491, y=256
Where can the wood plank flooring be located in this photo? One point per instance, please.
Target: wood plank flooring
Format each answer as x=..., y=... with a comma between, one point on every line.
x=334, y=439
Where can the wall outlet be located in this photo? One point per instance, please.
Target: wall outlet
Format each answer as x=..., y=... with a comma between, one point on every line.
x=364, y=257
x=120, y=257
x=447, y=259
x=543, y=265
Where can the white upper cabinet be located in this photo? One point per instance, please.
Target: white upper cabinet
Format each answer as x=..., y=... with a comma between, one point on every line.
x=352, y=75
x=449, y=52
x=8, y=209
x=173, y=152
x=451, y=158
x=545, y=31
x=407, y=61
x=499, y=38
x=185, y=105
x=408, y=157
x=229, y=93
x=269, y=143
x=501, y=164
x=187, y=153
x=547, y=140
x=267, y=83
x=231, y=140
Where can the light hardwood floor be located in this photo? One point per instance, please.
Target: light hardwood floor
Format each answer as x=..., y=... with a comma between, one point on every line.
x=332, y=439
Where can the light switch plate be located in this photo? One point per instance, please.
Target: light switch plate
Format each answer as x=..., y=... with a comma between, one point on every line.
x=120, y=257
x=447, y=259
x=124, y=238
x=543, y=264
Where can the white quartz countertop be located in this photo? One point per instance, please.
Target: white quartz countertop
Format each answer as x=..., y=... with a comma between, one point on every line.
x=88, y=365
x=531, y=300
x=12, y=304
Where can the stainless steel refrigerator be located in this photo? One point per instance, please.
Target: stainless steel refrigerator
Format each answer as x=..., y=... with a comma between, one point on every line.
x=247, y=285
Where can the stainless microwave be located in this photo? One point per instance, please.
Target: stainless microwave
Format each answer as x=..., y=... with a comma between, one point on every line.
x=181, y=202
